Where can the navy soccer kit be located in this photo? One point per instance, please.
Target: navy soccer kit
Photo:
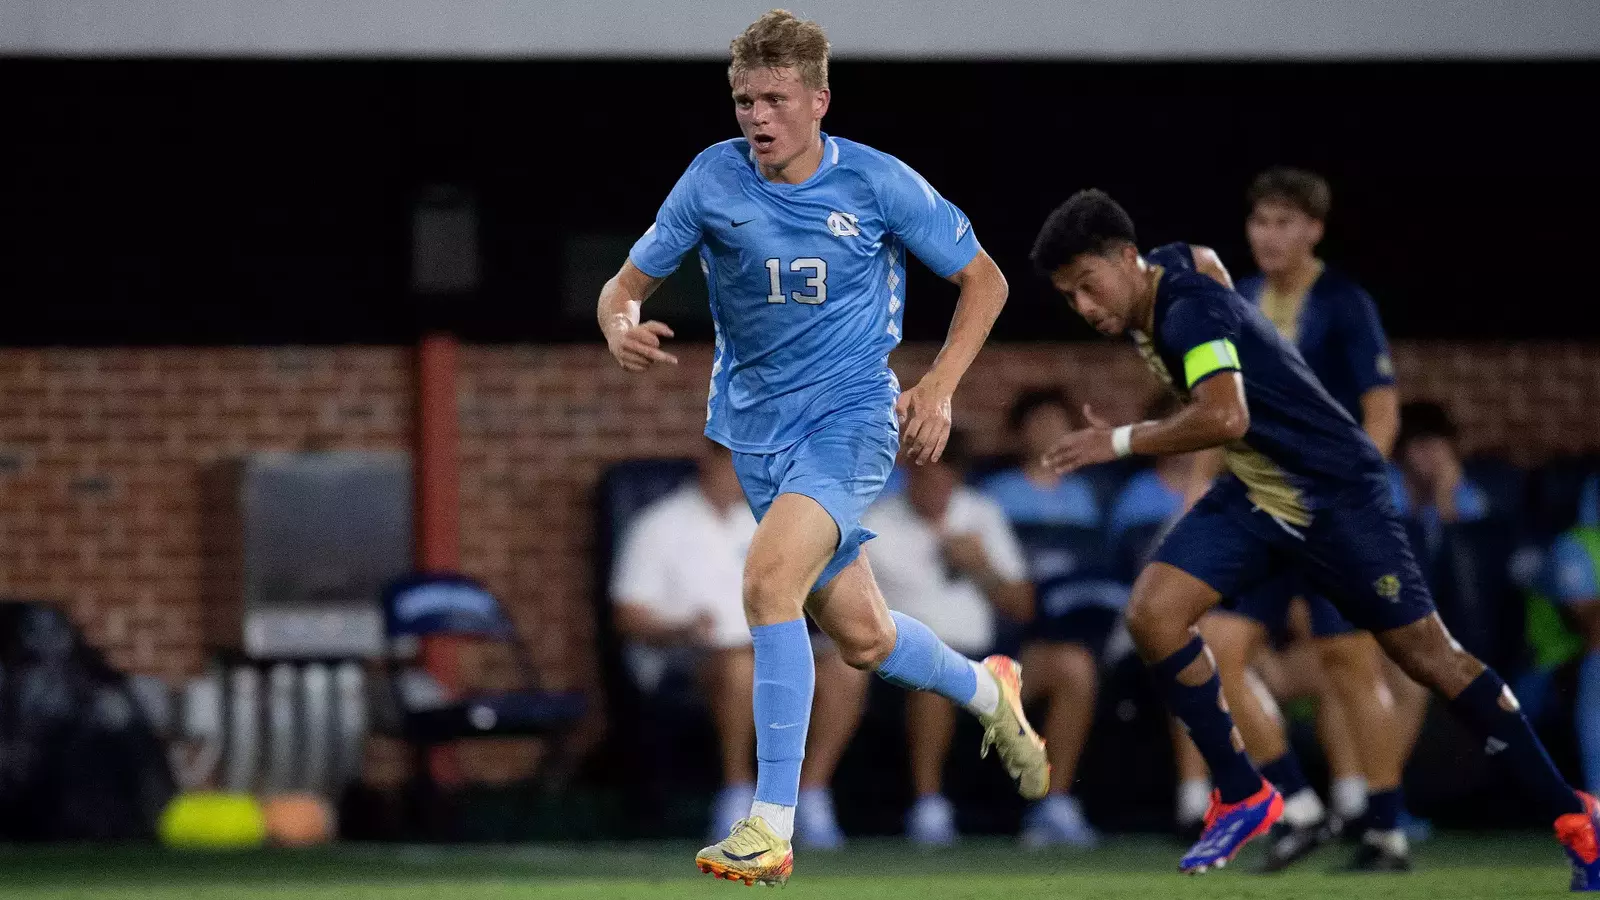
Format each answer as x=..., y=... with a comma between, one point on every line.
x=1335, y=326
x=1306, y=492
x=807, y=289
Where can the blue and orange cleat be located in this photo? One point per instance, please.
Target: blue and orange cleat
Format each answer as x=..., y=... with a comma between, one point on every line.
x=1229, y=826
x=1580, y=834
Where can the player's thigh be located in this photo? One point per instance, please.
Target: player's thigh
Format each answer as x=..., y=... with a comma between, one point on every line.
x=843, y=467
x=851, y=611
x=1214, y=551
x=793, y=543
x=1354, y=658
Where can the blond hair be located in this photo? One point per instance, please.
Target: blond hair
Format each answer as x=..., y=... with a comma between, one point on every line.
x=781, y=40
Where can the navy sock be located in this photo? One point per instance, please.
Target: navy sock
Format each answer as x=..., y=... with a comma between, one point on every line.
x=1383, y=810
x=1488, y=708
x=1286, y=775
x=1203, y=712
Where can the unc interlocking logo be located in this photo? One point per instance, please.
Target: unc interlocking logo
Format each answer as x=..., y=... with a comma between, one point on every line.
x=843, y=224
x=1388, y=587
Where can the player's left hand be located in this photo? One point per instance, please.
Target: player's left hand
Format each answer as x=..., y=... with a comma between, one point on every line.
x=1086, y=447
x=924, y=414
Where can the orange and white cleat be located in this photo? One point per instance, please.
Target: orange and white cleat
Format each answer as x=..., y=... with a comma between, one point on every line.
x=752, y=853
x=1007, y=730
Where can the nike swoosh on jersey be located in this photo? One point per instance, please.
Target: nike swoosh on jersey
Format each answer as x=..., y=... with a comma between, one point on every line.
x=737, y=224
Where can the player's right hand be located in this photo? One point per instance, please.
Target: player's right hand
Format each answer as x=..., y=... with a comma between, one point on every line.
x=638, y=347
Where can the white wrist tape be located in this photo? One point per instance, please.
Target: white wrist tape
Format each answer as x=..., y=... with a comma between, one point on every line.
x=1122, y=440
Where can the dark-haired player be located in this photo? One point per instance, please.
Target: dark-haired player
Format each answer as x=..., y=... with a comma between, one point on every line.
x=1306, y=492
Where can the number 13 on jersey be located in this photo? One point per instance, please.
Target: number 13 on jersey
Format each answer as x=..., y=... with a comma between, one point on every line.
x=816, y=281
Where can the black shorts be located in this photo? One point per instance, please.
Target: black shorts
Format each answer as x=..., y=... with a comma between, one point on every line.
x=1354, y=552
x=1090, y=627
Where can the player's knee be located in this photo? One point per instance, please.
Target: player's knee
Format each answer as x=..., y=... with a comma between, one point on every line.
x=865, y=647
x=771, y=593
x=1149, y=624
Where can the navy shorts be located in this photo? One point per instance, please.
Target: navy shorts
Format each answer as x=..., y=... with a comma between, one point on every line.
x=842, y=465
x=1354, y=552
x=1268, y=604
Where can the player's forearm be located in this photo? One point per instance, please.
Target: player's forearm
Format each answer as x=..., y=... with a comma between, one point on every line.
x=618, y=307
x=1195, y=427
x=1380, y=416
x=983, y=295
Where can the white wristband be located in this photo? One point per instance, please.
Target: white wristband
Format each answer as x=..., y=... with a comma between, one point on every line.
x=1122, y=440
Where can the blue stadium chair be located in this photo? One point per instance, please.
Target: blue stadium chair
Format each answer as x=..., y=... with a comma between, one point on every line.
x=451, y=605
x=429, y=605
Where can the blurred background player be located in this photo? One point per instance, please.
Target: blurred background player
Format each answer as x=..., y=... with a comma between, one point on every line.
x=945, y=556
x=1306, y=492
x=1334, y=324
x=1572, y=579
x=1058, y=520
x=803, y=238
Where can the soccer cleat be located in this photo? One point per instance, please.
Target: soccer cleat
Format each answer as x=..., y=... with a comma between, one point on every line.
x=1287, y=844
x=1377, y=853
x=1579, y=833
x=1007, y=730
x=1229, y=826
x=752, y=853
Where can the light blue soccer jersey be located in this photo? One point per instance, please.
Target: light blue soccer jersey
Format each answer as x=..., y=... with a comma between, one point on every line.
x=807, y=282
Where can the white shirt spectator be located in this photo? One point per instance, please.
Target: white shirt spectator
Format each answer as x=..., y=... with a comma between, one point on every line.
x=682, y=556
x=911, y=570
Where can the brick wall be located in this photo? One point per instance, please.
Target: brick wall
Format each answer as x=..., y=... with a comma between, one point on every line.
x=102, y=454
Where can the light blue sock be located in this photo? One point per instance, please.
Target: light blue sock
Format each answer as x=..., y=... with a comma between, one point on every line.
x=1587, y=719
x=922, y=662
x=784, y=678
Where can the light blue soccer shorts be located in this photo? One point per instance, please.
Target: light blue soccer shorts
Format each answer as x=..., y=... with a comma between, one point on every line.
x=843, y=466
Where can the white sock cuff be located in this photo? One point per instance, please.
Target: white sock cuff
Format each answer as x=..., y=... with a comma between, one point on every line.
x=779, y=818
x=987, y=698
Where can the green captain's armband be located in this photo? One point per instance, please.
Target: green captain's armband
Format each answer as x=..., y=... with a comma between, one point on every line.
x=1212, y=356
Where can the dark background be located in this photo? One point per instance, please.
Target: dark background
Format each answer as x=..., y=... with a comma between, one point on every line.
x=259, y=202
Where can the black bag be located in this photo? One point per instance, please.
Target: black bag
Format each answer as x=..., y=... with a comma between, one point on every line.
x=78, y=759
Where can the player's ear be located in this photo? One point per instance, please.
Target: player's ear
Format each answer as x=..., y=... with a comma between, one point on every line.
x=1316, y=231
x=821, y=100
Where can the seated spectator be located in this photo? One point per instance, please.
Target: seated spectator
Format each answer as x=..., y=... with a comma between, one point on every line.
x=1426, y=479
x=1572, y=579
x=1031, y=493
x=1076, y=610
x=676, y=591
x=945, y=555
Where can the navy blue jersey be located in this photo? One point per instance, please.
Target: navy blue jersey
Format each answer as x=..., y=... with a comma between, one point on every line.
x=807, y=283
x=1335, y=326
x=1303, y=450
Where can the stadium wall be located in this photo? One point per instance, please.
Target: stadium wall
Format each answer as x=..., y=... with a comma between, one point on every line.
x=102, y=452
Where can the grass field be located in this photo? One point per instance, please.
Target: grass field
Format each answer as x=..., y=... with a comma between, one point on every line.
x=1503, y=867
